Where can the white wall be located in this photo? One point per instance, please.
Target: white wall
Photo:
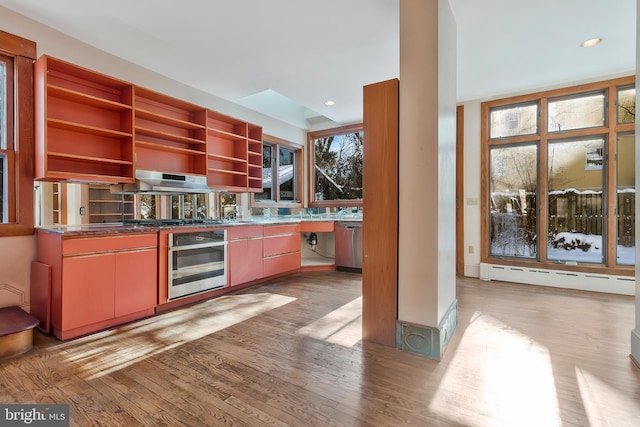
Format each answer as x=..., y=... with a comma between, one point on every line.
x=54, y=43
x=472, y=188
x=18, y=252
x=15, y=270
x=426, y=266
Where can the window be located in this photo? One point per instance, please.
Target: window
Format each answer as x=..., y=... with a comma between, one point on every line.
x=6, y=65
x=576, y=205
x=559, y=186
x=576, y=112
x=513, y=201
x=16, y=135
x=626, y=199
x=335, y=165
x=281, y=179
x=514, y=120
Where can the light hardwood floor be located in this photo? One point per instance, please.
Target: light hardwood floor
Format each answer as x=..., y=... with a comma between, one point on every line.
x=289, y=353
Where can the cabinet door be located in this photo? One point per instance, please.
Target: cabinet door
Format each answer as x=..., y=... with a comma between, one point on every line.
x=136, y=283
x=88, y=292
x=245, y=261
x=238, y=265
x=254, y=259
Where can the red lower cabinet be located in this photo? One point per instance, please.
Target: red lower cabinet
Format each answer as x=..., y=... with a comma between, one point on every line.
x=99, y=281
x=88, y=294
x=245, y=254
x=136, y=287
x=281, y=248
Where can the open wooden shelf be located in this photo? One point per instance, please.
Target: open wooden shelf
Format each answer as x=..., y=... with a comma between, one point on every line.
x=93, y=127
x=84, y=124
x=169, y=148
x=170, y=137
x=86, y=99
x=161, y=118
x=88, y=177
x=226, y=158
x=81, y=128
x=168, y=125
x=99, y=160
x=226, y=135
x=226, y=171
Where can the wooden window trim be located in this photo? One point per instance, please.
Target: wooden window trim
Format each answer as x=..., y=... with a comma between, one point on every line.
x=311, y=137
x=298, y=149
x=21, y=210
x=609, y=131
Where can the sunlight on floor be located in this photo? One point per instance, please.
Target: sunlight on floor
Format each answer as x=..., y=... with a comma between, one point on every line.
x=507, y=377
x=600, y=399
x=342, y=326
x=111, y=350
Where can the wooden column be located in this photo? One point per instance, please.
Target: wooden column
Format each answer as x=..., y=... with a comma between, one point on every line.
x=380, y=220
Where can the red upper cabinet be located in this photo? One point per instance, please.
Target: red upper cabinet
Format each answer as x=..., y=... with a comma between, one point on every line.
x=170, y=134
x=94, y=128
x=254, y=162
x=83, y=124
x=234, y=154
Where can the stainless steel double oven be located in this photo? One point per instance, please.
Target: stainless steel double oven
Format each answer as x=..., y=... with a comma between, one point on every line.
x=196, y=262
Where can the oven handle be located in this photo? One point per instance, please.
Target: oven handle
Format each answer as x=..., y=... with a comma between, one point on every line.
x=200, y=246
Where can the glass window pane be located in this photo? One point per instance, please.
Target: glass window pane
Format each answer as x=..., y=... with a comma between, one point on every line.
x=575, y=173
x=286, y=174
x=338, y=163
x=627, y=105
x=147, y=205
x=513, y=188
x=576, y=112
x=514, y=120
x=268, y=166
x=228, y=205
x=626, y=211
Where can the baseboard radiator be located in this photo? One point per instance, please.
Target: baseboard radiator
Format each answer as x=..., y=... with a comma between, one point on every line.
x=623, y=285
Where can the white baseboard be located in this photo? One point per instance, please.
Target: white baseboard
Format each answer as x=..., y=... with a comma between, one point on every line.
x=472, y=270
x=623, y=285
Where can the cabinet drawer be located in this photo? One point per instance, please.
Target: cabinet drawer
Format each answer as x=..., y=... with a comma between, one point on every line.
x=316, y=227
x=272, y=230
x=244, y=231
x=281, y=263
x=108, y=244
x=281, y=244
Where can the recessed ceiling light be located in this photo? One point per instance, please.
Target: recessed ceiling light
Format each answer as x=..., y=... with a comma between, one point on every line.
x=591, y=42
x=329, y=103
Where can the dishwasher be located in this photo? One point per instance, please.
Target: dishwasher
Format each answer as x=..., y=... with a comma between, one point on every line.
x=348, y=241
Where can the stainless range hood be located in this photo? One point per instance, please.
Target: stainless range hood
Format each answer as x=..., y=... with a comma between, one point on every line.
x=163, y=183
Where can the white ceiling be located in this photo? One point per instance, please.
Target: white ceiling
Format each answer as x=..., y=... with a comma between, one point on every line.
x=290, y=56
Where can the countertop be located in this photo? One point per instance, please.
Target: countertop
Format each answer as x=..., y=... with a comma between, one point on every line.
x=110, y=229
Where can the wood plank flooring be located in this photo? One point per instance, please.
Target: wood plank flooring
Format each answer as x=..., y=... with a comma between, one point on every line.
x=289, y=353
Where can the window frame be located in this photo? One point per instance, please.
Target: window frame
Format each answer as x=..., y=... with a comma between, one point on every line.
x=311, y=137
x=20, y=136
x=275, y=185
x=610, y=129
